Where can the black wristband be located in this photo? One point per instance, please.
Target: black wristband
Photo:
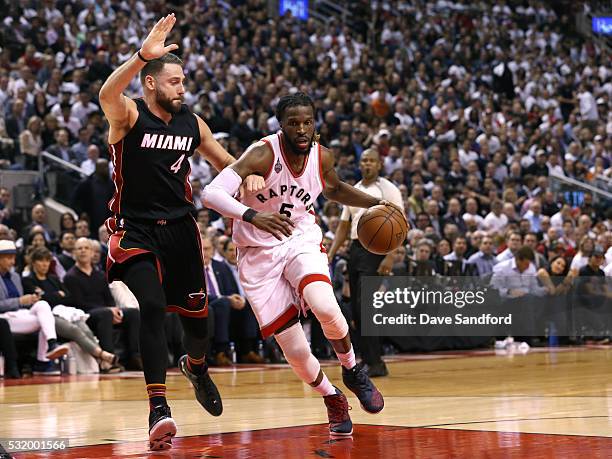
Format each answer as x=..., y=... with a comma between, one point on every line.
x=248, y=215
x=142, y=58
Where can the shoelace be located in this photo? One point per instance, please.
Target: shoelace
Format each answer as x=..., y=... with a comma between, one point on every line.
x=163, y=410
x=362, y=380
x=338, y=409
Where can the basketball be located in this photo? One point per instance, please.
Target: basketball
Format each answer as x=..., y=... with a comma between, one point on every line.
x=382, y=229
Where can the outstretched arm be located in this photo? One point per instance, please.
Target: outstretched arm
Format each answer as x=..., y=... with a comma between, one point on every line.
x=336, y=190
x=120, y=110
x=219, y=194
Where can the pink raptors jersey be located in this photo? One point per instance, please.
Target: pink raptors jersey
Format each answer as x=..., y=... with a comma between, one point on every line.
x=287, y=193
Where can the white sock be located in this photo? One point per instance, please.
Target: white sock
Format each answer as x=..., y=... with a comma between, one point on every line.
x=325, y=387
x=347, y=360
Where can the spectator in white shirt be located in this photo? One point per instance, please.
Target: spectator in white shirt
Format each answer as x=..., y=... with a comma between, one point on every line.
x=84, y=106
x=588, y=106
x=89, y=165
x=516, y=277
x=585, y=248
x=495, y=221
x=557, y=219
x=471, y=207
x=200, y=170
x=554, y=168
x=513, y=241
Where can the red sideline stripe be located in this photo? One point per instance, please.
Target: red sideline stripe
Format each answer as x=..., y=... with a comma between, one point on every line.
x=117, y=157
x=281, y=320
x=310, y=278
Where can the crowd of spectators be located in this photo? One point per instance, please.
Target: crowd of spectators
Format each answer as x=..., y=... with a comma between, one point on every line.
x=472, y=106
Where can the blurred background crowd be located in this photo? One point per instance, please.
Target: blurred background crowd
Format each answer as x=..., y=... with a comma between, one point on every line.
x=492, y=118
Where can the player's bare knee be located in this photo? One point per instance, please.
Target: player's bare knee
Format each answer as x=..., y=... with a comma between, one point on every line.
x=322, y=301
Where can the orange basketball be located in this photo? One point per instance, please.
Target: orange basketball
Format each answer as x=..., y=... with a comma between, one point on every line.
x=382, y=229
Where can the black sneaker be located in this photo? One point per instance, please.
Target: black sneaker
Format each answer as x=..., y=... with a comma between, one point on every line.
x=358, y=381
x=205, y=390
x=49, y=368
x=338, y=413
x=161, y=428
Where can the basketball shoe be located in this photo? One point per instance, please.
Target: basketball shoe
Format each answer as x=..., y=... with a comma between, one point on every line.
x=161, y=428
x=205, y=390
x=338, y=413
x=358, y=381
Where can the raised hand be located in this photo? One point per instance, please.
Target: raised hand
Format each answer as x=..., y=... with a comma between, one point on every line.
x=274, y=223
x=154, y=45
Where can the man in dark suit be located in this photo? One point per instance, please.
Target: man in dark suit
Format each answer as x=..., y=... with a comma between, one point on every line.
x=454, y=215
x=39, y=218
x=66, y=243
x=220, y=304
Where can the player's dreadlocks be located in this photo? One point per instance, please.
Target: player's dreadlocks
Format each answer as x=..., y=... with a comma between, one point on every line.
x=298, y=99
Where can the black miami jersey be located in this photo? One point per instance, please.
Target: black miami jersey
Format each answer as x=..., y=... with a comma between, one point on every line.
x=151, y=164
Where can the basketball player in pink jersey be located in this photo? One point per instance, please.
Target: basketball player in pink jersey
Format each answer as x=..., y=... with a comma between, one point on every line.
x=282, y=264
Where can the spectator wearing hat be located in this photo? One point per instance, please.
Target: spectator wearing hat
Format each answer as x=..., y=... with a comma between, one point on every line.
x=28, y=313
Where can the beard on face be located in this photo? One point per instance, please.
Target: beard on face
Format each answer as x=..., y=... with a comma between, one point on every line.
x=295, y=149
x=170, y=105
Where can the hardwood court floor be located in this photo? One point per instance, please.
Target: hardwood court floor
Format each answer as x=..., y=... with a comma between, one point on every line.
x=547, y=403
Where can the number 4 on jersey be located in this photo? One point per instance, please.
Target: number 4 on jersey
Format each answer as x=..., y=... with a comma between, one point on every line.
x=177, y=165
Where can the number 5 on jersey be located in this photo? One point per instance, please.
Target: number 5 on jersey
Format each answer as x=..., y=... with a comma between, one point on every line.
x=286, y=209
x=177, y=165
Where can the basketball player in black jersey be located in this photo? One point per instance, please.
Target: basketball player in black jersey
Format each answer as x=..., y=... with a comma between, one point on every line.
x=155, y=244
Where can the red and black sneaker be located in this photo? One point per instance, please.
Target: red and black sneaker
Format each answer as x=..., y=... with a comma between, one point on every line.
x=338, y=413
x=161, y=428
x=358, y=381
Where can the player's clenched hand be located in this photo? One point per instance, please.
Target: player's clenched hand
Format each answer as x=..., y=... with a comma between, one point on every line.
x=154, y=45
x=237, y=302
x=254, y=183
x=274, y=223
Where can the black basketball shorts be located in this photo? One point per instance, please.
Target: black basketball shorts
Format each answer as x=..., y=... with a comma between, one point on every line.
x=177, y=250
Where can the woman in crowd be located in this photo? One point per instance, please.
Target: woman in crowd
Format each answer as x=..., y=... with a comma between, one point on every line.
x=67, y=222
x=557, y=278
x=585, y=248
x=69, y=322
x=30, y=142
